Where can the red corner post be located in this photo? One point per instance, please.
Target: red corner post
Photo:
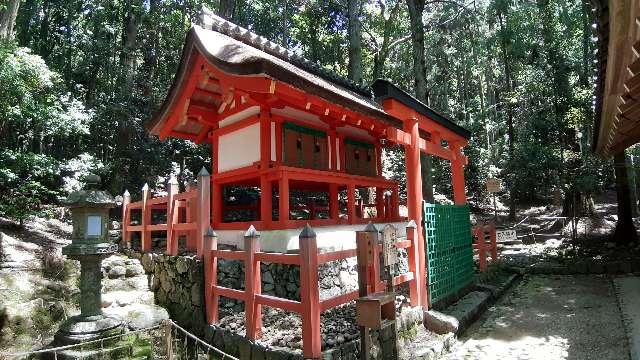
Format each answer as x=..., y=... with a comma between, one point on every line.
x=482, y=252
x=146, y=220
x=414, y=200
x=211, y=276
x=412, y=255
x=204, y=209
x=309, y=294
x=172, y=243
x=126, y=219
x=252, y=310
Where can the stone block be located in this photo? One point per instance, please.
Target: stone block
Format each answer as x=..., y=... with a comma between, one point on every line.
x=244, y=348
x=440, y=323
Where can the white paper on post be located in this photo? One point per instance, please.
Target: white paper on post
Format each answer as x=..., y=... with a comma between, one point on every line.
x=94, y=225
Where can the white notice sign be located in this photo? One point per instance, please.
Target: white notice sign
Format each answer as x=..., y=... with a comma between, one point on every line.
x=389, y=243
x=505, y=235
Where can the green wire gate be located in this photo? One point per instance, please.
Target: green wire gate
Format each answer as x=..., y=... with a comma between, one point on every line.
x=449, y=249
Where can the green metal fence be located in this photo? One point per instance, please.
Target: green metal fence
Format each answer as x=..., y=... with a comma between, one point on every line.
x=449, y=249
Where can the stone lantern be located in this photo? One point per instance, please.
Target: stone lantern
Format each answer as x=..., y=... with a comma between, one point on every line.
x=89, y=245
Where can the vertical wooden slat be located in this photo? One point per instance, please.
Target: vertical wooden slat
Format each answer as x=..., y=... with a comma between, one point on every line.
x=412, y=254
x=172, y=246
x=204, y=209
x=126, y=219
x=309, y=294
x=211, y=276
x=252, y=284
x=283, y=208
x=146, y=220
x=334, y=206
x=351, y=203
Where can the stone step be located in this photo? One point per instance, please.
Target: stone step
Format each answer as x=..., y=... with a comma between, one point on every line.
x=136, y=283
x=124, y=298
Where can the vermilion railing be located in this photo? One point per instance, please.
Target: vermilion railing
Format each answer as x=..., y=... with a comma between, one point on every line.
x=484, y=242
x=193, y=205
x=309, y=259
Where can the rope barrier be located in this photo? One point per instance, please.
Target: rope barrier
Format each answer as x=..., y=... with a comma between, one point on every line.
x=171, y=345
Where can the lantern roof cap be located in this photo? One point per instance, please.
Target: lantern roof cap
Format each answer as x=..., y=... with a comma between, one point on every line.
x=90, y=196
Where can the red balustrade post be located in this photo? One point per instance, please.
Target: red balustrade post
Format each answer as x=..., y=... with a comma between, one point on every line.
x=494, y=244
x=146, y=220
x=126, y=219
x=192, y=216
x=412, y=255
x=309, y=294
x=252, y=284
x=211, y=276
x=172, y=244
x=334, y=205
x=351, y=203
x=204, y=209
x=380, y=202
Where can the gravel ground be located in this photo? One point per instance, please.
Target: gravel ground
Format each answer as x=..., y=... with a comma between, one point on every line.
x=550, y=317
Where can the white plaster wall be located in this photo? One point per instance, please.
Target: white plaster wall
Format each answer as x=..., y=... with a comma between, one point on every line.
x=330, y=238
x=239, y=148
x=239, y=116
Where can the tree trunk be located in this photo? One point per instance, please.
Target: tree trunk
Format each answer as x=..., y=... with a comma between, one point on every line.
x=8, y=19
x=355, y=40
x=625, y=230
x=416, y=8
x=510, y=130
x=227, y=8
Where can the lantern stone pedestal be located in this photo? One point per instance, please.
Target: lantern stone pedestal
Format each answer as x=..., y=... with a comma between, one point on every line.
x=90, y=245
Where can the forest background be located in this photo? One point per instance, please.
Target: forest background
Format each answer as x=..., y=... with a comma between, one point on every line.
x=80, y=78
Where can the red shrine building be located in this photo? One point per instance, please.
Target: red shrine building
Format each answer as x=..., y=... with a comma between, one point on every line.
x=295, y=144
x=286, y=126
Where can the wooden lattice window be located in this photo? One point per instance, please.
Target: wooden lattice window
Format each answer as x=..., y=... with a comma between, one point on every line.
x=304, y=147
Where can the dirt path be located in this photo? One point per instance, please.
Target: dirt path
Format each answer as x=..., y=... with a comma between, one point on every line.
x=550, y=317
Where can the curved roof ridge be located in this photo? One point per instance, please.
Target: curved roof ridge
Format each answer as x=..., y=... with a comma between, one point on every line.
x=216, y=23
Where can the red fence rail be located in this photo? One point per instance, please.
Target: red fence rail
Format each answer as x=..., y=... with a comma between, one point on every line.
x=484, y=243
x=193, y=204
x=309, y=259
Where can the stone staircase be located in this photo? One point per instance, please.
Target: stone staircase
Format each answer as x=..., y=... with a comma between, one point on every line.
x=126, y=293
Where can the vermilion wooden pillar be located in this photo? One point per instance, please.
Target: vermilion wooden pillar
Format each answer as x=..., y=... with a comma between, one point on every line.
x=457, y=175
x=309, y=294
x=351, y=203
x=253, y=310
x=333, y=151
x=334, y=210
x=172, y=217
x=414, y=200
x=145, y=241
x=211, y=276
x=283, y=204
x=265, y=159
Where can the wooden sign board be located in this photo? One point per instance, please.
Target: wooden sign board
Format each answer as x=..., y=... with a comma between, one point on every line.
x=493, y=185
x=389, y=235
x=506, y=235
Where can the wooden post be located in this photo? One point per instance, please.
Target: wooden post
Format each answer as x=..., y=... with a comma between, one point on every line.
x=283, y=206
x=192, y=217
x=309, y=294
x=204, y=209
x=394, y=212
x=412, y=255
x=334, y=204
x=414, y=199
x=211, y=276
x=168, y=339
x=366, y=283
x=172, y=244
x=380, y=201
x=126, y=219
x=351, y=203
x=252, y=284
x=494, y=244
x=278, y=141
x=146, y=220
